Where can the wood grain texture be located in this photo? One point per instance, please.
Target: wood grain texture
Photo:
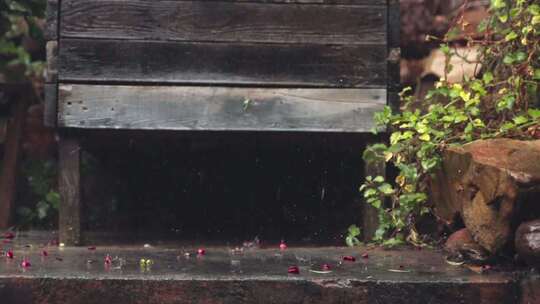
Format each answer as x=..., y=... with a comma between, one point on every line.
x=51, y=73
x=51, y=98
x=50, y=32
x=218, y=108
x=223, y=21
x=69, y=186
x=218, y=63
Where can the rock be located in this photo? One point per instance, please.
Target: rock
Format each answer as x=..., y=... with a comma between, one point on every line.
x=461, y=246
x=527, y=242
x=481, y=182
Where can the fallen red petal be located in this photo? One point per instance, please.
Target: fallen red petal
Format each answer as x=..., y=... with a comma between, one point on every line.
x=201, y=251
x=294, y=270
x=9, y=235
x=365, y=255
x=349, y=258
x=44, y=253
x=326, y=267
x=25, y=263
x=6, y=241
x=92, y=248
x=108, y=260
x=9, y=254
x=282, y=245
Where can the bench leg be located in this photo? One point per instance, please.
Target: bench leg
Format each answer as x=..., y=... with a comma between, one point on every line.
x=8, y=175
x=69, y=179
x=370, y=215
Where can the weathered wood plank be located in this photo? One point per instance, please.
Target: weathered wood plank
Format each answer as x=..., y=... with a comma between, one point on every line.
x=51, y=98
x=51, y=75
x=349, y=2
x=223, y=21
x=219, y=63
x=50, y=32
x=70, y=190
x=394, y=55
x=218, y=108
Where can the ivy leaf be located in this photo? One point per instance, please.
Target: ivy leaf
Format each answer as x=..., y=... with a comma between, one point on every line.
x=511, y=36
x=370, y=192
x=425, y=137
x=487, y=78
x=534, y=113
x=519, y=120
x=379, y=179
x=386, y=189
x=536, y=75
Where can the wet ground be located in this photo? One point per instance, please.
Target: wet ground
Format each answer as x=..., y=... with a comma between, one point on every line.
x=233, y=273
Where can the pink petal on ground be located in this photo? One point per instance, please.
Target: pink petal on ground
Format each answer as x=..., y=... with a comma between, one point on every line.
x=293, y=270
x=349, y=258
x=25, y=263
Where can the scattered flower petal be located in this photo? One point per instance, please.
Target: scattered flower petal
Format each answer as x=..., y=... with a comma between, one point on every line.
x=108, y=260
x=282, y=245
x=92, y=248
x=6, y=241
x=349, y=258
x=44, y=253
x=365, y=255
x=25, y=263
x=9, y=254
x=326, y=267
x=201, y=251
x=9, y=235
x=293, y=270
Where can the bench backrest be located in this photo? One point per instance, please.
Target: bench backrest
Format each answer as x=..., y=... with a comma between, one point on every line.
x=262, y=65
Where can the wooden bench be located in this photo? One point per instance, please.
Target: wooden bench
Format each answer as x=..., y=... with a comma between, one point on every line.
x=223, y=65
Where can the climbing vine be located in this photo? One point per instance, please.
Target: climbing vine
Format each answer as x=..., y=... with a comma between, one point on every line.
x=21, y=24
x=503, y=102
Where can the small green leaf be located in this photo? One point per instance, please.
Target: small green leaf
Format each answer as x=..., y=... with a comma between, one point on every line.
x=379, y=179
x=386, y=189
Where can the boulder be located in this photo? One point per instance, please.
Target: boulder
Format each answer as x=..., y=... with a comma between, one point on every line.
x=527, y=242
x=481, y=182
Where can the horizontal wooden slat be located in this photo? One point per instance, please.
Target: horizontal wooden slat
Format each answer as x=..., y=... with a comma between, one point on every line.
x=222, y=63
x=223, y=21
x=218, y=108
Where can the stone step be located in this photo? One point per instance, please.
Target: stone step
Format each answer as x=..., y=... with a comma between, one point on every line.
x=252, y=275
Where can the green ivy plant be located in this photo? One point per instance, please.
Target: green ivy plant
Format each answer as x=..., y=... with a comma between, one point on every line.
x=41, y=177
x=20, y=19
x=352, y=236
x=501, y=103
